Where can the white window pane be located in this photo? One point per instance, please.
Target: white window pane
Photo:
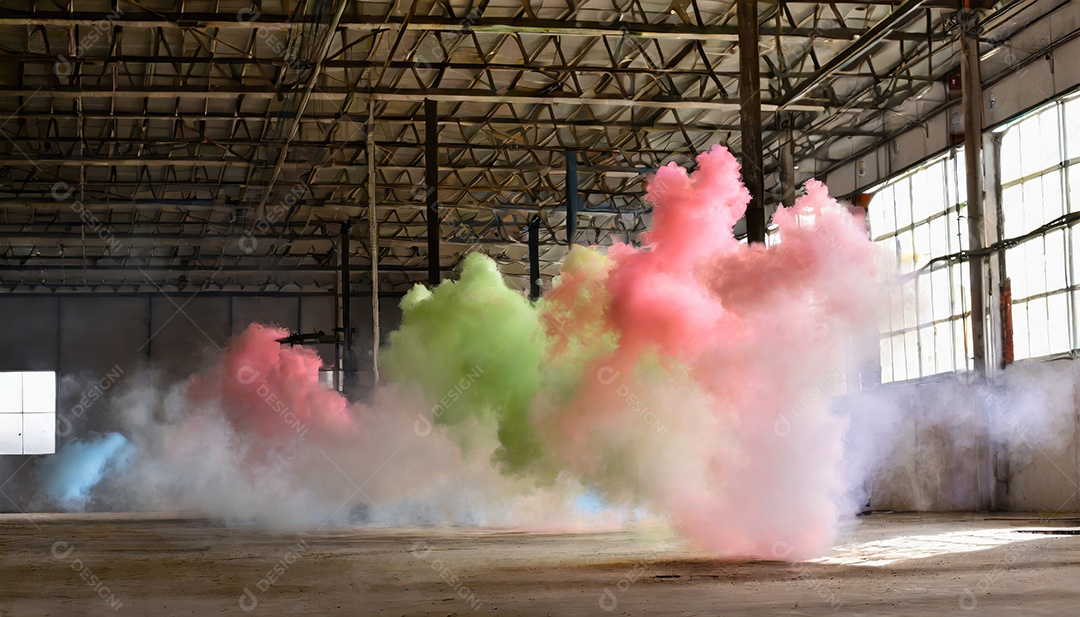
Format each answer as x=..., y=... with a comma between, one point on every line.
x=911, y=345
x=906, y=247
x=1052, y=197
x=927, y=347
x=1010, y=156
x=959, y=288
x=921, y=238
x=1012, y=207
x=1056, y=264
x=39, y=392
x=1049, y=137
x=1033, y=212
x=899, y=359
x=1057, y=308
x=1038, y=328
x=10, y=393
x=902, y=194
x=885, y=346
x=1016, y=267
x=1021, y=345
x=1074, y=187
x=955, y=230
x=11, y=433
x=939, y=237
x=960, y=345
x=1036, y=266
x=911, y=300
x=941, y=291
x=39, y=433
x=881, y=213
x=1072, y=128
x=961, y=183
x=922, y=195
x=943, y=338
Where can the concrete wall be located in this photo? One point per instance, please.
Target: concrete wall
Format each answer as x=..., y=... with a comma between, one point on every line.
x=86, y=338
x=935, y=431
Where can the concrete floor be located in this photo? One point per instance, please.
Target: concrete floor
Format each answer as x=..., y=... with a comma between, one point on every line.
x=887, y=565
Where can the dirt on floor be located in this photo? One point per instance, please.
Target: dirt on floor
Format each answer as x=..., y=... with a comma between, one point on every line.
x=159, y=565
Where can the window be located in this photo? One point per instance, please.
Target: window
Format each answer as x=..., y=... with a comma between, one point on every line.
x=1036, y=174
x=28, y=412
x=913, y=219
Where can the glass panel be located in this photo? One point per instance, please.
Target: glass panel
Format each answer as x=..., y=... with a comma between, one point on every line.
x=1038, y=328
x=1056, y=263
x=1053, y=197
x=1010, y=155
x=39, y=392
x=903, y=203
x=941, y=291
x=1033, y=212
x=1012, y=208
x=921, y=236
x=943, y=347
x=911, y=300
x=959, y=288
x=10, y=393
x=1058, y=323
x=905, y=245
x=39, y=433
x=885, y=345
x=911, y=345
x=939, y=237
x=1036, y=266
x=926, y=350
x=959, y=344
x=11, y=433
x=1021, y=345
x=899, y=358
x=1072, y=127
x=961, y=185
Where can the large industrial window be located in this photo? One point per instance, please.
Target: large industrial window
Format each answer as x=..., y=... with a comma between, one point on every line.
x=1038, y=153
x=28, y=412
x=913, y=219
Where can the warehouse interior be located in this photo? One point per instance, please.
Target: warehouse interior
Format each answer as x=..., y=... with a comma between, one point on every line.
x=539, y=307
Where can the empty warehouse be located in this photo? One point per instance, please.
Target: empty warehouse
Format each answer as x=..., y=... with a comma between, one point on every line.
x=539, y=307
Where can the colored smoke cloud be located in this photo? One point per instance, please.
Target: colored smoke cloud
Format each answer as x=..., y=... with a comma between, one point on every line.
x=689, y=377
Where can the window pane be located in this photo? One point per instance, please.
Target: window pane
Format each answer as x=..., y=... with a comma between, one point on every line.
x=1058, y=320
x=911, y=344
x=1010, y=156
x=39, y=392
x=885, y=346
x=1056, y=263
x=10, y=393
x=1038, y=328
x=943, y=347
x=1053, y=201
x=941, y=290
x=960, y=344
x=1072, y=128
x=39, y=433
x=899, y=359
x=11, y=433
x=921, y=237
x=1012, y=208
x=926, y=350
x=1021, y=345
x=903, y=203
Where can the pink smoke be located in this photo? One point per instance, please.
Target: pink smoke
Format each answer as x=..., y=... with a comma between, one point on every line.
x=751, y=333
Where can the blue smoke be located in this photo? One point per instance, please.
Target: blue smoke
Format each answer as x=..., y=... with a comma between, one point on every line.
x=70, y=474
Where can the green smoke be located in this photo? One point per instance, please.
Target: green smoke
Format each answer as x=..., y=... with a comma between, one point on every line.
x=474, y=347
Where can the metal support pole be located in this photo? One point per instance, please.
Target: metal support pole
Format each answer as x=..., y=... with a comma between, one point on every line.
x=787, y=169
x=348, y=363
x=534, y=258
x=750, y=117
x=572, y=197
x=971, y=85
x=431, y=181
x=373, y=242
x=973, y=125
